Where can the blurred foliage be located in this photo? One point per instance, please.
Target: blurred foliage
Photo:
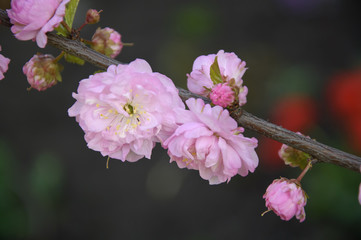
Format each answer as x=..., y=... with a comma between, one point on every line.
x=25, y=196
x=194, y=21
x=13, y=217
x=46, y=179
x=333, y=196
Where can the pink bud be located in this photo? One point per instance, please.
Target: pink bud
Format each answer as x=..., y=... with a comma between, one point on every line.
x=42, y=72
x=242, y=96
x=107, y=41
x=222, y=95
x=294, y=157
x=92, y=16
x=286, y=199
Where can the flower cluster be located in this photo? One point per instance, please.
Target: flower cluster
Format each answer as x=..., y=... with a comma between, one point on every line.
x=4, y=62
x=219, y=77
x=32, y=19
x=127, y=109
x=286, y=198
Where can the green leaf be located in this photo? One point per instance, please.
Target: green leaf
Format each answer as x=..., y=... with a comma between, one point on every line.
x=69, y=17
x=99, y=71
x=70, y=12
x=215, y=72
x=73, y=59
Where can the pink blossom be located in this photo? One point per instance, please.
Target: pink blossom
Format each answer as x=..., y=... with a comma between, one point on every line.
x=32, y=19
x=126, y=110
x=42, y=71
x=222, y=95
x=231, y=69
x=242, y=95
x=4, y=62
x=286, y=199
x=210, y=141
x=107, y=41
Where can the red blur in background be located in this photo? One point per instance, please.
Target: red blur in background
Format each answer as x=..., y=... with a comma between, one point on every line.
x=343, y=95
x=297, y=113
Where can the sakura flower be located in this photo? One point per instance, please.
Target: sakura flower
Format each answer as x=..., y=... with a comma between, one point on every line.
x=4, y=62
x=209, y=140
x=213, y=69
x=42, y=71
x=286, y=199
x=126, y=110
x=107, y=41
x=32, y=19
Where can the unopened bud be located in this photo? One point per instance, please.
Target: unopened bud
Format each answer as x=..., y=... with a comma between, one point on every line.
x=222, y=95
x=42, y=72
x=107, y=41
x=286, y=198
x=294, y=157
x=92, y=16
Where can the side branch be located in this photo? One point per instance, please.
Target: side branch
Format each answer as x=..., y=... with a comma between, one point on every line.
x=321, y=152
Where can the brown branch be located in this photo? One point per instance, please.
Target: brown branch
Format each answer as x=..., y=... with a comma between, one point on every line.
x=321, y=152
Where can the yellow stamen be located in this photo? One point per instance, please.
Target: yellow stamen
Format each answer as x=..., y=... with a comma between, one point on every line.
x=108, y=162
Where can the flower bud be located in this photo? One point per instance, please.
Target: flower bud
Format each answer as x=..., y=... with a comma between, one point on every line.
x=286, y=199
x=42, y=71
x=107, y=41
x=293, y=157
x=92, y=16
x=222, y=95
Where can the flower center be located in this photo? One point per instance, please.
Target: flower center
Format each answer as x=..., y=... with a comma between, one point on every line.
x=121, y=124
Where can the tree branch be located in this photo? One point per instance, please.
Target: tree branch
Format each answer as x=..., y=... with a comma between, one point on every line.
x=321, y=152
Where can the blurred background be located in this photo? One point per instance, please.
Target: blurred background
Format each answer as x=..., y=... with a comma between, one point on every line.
x=304, y=73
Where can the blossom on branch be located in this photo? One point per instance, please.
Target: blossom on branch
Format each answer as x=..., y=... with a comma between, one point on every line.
x=294, y=157
x=286, y=199
x=210, y=141
x=4, y=62
x=214, y=69
x=42, y=71
x=126, y=110
x=107, y=41
x=32, y=19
